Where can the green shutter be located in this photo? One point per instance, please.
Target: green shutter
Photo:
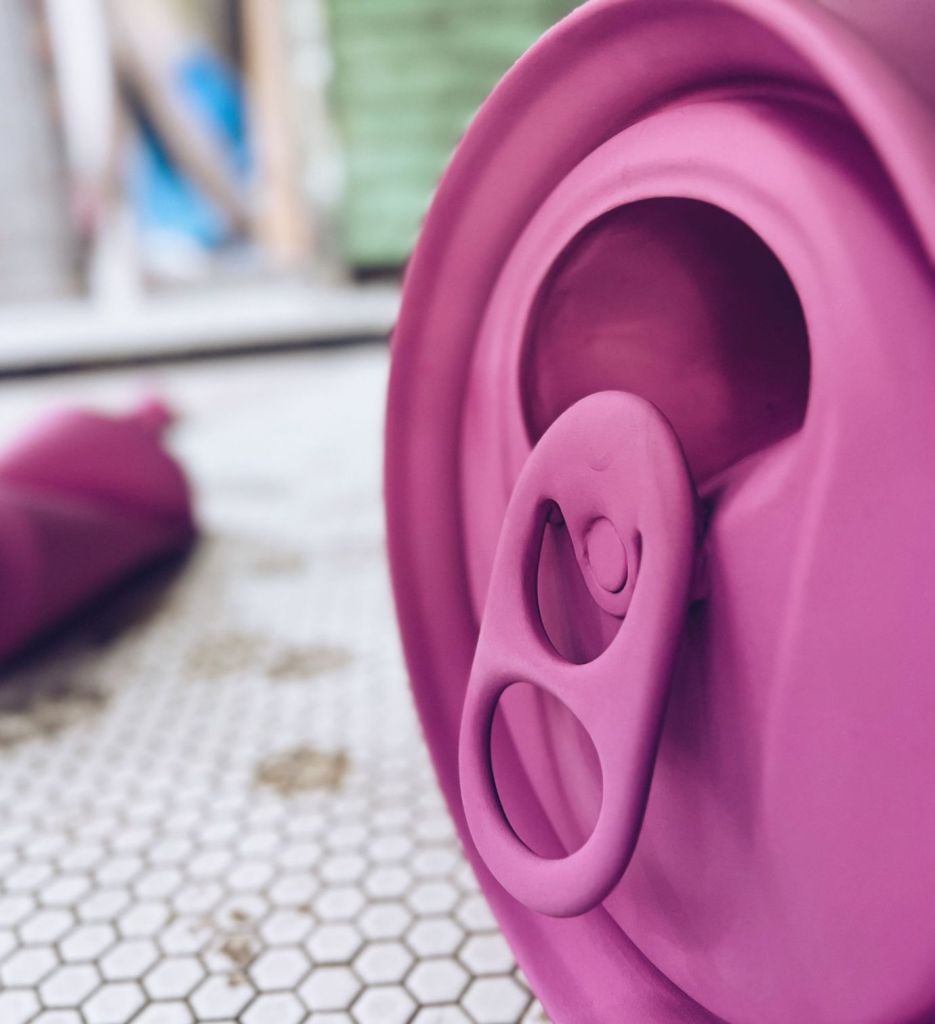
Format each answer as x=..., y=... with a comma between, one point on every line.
x=409, y=75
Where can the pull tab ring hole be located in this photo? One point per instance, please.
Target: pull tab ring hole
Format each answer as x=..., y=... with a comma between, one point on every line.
x=575, y=625
x=532, y=732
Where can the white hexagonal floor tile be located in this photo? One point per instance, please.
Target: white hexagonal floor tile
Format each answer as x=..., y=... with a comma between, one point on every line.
x=69, y=985
x=435, y=861
x=118, y=870
x=197, y=897
x=274, y=1008
x=46, y=926
x=58, y=1017
x=334, y=943
x=440, y=980
x=441, y=1015
x=128, y=959
x=384, y=920
x=18, y=1006
x=342, y=867
x=383, y=1004
x=294, y=890
x=281, y=968
x=382, y=962
x=339, y=903
x=27, y=967
x=185, y=935
x=329, y=988
x=389, y=881
x=158, y=883
x=13, y=909
x=87, y=942
x=435, y=897
x=166, y=1013
x=297, y=855
x=495, y=1000
x=434, y=936
x=143, y=919
x=285, y=927
x=173, y=977
x=535, y=1014
x=251, y=876
x=115, y=1002
x=475, y=915
x=30, y=877
x=220, y=996
x=389, y=848
x=103, y=905
x=487, y=954
x=64, y=890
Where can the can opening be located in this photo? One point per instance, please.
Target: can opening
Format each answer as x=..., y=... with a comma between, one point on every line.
x=681, y=303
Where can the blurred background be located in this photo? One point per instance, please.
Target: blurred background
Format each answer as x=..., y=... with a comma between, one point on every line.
x=190, y=175
x=215, y=800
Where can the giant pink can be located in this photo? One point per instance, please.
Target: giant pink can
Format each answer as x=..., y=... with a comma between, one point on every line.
x=660, y=492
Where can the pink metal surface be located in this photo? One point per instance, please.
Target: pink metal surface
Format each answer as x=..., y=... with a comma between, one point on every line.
x=725, y=208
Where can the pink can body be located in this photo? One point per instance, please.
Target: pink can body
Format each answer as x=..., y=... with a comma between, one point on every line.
x=725, y=208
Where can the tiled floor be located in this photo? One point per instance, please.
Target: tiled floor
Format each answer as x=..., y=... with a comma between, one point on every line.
x=216, y=803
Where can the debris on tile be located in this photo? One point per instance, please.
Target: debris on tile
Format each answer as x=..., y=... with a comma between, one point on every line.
x=300, y=663
x=302, y=770
x=219, y=655
x=272, y=561
x=31, y=708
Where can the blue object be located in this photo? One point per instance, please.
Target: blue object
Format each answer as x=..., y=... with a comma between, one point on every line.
x=163, y=197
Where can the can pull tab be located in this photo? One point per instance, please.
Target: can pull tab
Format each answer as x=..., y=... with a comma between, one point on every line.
x=615, y=468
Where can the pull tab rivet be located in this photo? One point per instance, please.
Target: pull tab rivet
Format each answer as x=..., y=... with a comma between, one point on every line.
x=607, y=556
